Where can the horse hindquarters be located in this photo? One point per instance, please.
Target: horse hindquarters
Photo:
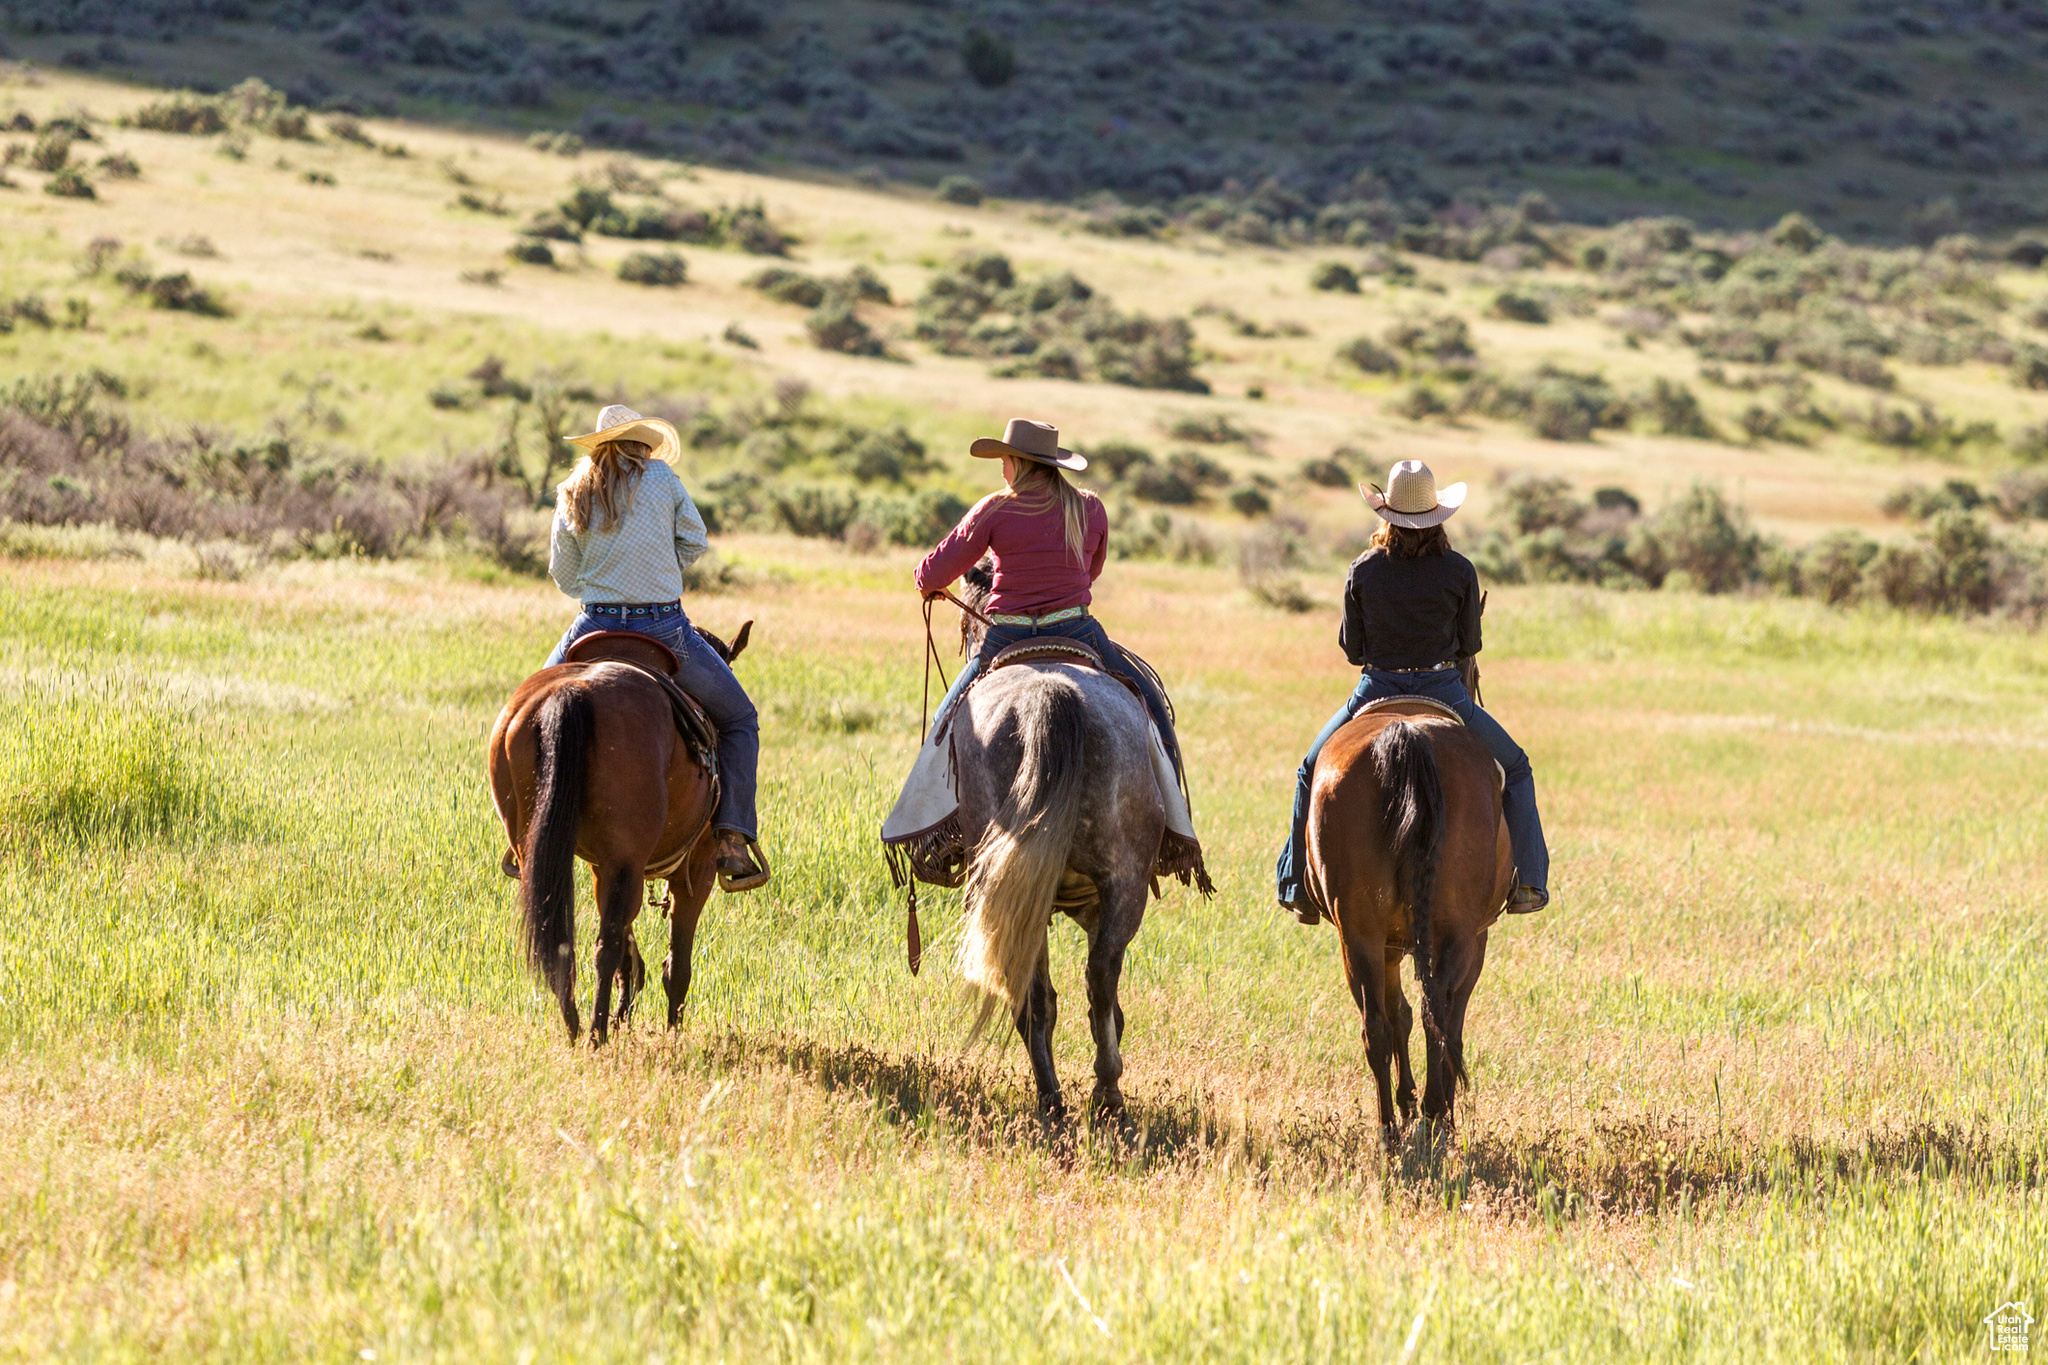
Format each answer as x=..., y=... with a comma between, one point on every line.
x=1018, y=863
x=1376, y=836
x=565, y=725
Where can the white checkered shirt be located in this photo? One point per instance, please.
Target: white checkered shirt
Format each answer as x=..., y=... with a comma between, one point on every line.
x=642, y=556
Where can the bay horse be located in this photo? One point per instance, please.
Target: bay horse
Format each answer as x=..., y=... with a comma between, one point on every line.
x=1060, y=803
x=1408, y=853
x=586, y=761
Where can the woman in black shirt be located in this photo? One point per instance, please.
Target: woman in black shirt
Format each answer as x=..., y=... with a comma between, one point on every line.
x=1411, y=611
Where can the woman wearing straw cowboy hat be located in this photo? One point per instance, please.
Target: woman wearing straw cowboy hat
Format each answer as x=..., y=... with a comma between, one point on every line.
x=1049, y=540
x=1411, y=611
x=625, y=529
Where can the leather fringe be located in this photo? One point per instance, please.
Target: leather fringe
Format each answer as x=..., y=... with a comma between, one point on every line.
x=936, y=856
x=1181, y=857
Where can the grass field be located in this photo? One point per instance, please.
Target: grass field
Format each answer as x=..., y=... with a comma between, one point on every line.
x=1765, y=1083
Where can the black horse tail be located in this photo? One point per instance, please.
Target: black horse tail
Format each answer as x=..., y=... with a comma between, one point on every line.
x=1405, y=762
x=567, y=723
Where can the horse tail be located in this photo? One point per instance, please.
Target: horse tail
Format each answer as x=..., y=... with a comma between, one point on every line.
x=1405, y=762
x=567, y=722
x=1022, y=855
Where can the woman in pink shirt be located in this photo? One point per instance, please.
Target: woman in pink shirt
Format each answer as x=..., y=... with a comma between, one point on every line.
x=1048, y=540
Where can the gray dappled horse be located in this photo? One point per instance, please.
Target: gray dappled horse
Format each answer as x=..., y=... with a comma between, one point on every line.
x=1060, y=802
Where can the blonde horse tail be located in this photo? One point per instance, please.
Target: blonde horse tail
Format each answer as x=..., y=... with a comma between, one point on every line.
x=1022, y=855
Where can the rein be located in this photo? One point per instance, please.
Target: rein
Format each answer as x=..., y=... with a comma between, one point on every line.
x=913, y=938
x=931, y=653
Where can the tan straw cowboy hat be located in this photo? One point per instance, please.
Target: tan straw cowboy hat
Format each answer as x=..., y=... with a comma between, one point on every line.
x=620, y=423
x=1029, y=440
x=1412, y=498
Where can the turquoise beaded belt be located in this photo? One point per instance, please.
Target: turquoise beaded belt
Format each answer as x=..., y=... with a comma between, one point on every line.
x=1033, y=622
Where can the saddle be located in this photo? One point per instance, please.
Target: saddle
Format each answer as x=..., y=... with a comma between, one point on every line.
x=1421, y=708
x=658, y=662
x=1047, y=650
x=1054, y=650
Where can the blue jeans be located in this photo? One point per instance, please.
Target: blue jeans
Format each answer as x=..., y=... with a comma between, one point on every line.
x=710, y=680
x=1088, y=631
x=1518, y=797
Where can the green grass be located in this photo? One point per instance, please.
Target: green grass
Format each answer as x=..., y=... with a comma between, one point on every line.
x=1766, y=1083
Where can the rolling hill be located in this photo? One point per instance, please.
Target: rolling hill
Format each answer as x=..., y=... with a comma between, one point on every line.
x=1306, y=117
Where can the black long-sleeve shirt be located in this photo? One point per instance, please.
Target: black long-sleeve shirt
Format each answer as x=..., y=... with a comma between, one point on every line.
x=1410, y=613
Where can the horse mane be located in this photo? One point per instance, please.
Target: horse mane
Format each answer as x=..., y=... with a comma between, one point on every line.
x=977, y=585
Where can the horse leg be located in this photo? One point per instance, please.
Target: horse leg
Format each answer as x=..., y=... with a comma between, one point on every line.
x=688, y=890
x=1460, y=961
x=1035, y=1022
x=1364, y=971
x=1403, y=1017
x=632, y=978
x=618, y=902
x=1122, y=910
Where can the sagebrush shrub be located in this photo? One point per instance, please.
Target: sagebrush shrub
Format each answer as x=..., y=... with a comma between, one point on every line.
x=1336, y=277
x=665, y=269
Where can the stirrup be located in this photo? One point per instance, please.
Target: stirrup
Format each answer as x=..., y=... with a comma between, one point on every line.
x=755, y=874
x=509, y=864
x=1304, y=911
x=1538, y=898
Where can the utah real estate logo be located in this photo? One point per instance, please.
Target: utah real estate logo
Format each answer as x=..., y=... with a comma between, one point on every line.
x=2008, y=1326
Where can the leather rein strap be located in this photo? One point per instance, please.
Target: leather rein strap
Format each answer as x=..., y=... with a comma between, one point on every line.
x=931, y=655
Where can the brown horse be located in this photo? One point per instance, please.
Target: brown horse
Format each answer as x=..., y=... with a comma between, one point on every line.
x=586, y=761
x=1407, y=852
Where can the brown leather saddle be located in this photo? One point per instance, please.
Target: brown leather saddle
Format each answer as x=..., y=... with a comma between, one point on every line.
x=1048, y=650
x=1419, y=708
x=658, y=662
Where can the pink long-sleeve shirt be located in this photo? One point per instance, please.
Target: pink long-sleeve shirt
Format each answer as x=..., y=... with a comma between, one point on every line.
x=1034, y=573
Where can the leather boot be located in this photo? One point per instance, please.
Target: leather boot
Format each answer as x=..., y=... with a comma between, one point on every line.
x=738, y=869
x=1303, y=911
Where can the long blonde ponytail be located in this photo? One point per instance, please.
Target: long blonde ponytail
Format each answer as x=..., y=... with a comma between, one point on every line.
x=600, y=477
x=1038, y=487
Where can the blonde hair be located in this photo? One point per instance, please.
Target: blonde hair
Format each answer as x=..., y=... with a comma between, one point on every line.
x=600, y=477
x=1039, y=486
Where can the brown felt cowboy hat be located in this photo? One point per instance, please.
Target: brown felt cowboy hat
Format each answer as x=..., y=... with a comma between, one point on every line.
x=620, y=423
x=1412, y=498
x=1029, y=440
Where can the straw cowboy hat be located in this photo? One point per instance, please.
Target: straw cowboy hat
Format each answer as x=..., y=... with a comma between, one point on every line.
x=1412, y=498
x=620, y=423
x=1029, y=440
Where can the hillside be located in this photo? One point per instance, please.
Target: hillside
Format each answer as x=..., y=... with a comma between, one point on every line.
x=1885, y=121
x=386, y=295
